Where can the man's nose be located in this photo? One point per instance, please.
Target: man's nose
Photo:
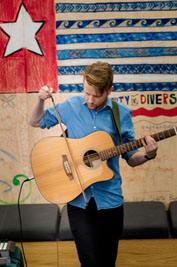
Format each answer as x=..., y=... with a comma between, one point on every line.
x=90, y=99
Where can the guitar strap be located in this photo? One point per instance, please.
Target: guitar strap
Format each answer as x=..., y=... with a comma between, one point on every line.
x=116, y=118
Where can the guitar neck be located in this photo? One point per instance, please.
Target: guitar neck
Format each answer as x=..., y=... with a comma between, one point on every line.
x=130, y=146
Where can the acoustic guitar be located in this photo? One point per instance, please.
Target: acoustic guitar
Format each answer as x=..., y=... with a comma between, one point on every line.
x=52, y=166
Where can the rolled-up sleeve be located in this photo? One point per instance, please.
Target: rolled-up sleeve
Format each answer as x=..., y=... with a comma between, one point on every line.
x=49, y=118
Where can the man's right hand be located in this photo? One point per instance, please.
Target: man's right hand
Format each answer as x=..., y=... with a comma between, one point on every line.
x=45, y=92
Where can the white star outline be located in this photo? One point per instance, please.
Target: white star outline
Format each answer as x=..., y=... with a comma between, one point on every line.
x=22, y=33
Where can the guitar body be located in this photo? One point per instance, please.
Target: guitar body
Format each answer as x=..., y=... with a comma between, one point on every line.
x=50, y=159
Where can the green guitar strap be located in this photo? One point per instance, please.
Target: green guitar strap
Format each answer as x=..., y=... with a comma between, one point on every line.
x=116, y=118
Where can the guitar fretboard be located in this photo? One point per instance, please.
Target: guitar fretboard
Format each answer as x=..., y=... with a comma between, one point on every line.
x=133, y=145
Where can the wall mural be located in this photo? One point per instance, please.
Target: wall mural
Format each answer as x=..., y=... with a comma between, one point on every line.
x=138, y=39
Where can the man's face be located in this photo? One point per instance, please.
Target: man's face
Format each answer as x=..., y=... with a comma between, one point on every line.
x=94, y=100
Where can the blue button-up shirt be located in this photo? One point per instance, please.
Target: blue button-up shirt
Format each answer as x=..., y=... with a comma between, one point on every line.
x=81, y=121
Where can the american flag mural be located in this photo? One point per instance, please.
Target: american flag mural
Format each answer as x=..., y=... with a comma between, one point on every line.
x=27, y=45
x=138, y=39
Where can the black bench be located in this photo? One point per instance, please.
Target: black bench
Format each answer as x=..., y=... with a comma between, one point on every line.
x=40, y=222
x=144, y=220
x=172, y=212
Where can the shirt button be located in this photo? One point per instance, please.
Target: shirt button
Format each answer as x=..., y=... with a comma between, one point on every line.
x=92, y=186
x=94, y=127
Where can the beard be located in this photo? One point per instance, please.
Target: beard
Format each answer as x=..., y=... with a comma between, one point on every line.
x=91, y=106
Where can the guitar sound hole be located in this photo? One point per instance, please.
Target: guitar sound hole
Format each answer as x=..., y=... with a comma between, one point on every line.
x=92, y=159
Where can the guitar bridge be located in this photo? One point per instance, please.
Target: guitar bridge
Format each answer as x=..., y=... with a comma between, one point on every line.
x=67, y=167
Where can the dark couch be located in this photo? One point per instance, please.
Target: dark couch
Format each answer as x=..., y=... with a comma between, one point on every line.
x=39, y=222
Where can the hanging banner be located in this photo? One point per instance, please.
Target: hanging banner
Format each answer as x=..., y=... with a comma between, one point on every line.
x=27, y=46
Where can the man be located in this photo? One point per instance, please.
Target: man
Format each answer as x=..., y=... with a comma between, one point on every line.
x=96, y=227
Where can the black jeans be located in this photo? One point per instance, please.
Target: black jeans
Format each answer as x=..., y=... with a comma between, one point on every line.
x=96, y=234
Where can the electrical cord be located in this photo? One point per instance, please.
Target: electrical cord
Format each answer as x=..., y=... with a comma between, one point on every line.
x=20, y=219
x=21, y=227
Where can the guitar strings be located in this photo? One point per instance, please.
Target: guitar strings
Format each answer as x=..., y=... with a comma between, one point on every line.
x=97, y=155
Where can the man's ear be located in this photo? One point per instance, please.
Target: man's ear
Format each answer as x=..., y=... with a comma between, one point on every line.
x=110, y=90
